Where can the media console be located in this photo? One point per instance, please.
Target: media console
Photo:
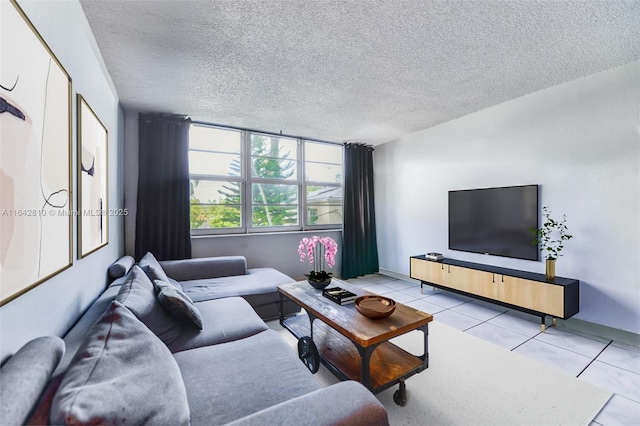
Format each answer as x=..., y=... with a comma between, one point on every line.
x=524, y=291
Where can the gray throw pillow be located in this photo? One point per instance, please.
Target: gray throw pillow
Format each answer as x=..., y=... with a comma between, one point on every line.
x=121, y=374
x=152, y=268
x=120, y=267
x=178, y=304
x=25, y=375
x=139, y=296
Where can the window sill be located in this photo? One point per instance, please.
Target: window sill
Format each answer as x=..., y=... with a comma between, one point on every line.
x=252, y=234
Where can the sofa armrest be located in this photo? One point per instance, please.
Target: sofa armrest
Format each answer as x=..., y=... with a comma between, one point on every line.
x=345, y=403
x=205, y=267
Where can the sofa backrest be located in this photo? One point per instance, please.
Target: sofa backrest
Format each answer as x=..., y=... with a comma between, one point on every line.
x=205, y=267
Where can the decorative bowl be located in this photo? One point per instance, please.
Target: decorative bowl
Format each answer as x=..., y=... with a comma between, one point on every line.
x=374, y=306
x=319, y=284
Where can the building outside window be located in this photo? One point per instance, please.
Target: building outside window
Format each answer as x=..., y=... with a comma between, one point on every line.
x=323, y=183
x=245, y=181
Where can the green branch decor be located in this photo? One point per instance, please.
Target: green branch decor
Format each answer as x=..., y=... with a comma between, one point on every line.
x=551, y=237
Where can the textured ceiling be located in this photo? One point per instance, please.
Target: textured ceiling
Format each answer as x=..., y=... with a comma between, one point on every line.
x=357, y=70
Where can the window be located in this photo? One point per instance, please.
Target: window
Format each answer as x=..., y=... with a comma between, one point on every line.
x=274, y=181
x=323, y=183
x=245, y=181
x=215, y=172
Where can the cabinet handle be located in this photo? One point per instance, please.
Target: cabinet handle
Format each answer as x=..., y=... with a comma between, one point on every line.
x=493, y=278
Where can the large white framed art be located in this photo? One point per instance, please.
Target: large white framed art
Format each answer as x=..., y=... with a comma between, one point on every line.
x=35, y=157
x=93, y=224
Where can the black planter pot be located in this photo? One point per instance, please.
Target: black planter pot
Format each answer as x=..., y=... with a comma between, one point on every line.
x=318, y=281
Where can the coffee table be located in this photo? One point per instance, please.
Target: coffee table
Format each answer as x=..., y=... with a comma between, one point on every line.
x=352, y=346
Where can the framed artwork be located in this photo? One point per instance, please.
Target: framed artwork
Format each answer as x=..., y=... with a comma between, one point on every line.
x=35, y=158
x=93, y=232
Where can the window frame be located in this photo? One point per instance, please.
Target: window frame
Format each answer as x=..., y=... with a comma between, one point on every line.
x=270, y=181
x=224, y=178
x=246, y=181
x=306, y=183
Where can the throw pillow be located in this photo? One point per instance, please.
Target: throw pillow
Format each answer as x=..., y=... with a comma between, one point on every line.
x=178, y=304
x=152, y=268
x=139, y=295
x=120, y=267
x=111, y=376
x=25, y=375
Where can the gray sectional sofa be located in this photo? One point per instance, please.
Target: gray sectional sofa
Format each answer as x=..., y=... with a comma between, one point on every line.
x=225, y=276
x=146, y=353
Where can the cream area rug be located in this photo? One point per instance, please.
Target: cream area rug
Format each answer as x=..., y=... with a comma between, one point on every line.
x=473, y=382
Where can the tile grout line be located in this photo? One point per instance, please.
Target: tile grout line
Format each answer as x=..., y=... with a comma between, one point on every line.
x=528, y=340
x=594, y=358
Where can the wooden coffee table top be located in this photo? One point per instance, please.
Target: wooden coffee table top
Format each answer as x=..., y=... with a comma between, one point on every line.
x=347, y=320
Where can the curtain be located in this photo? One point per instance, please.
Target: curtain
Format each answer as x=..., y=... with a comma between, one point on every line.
x=359, y=245
x=162, y=219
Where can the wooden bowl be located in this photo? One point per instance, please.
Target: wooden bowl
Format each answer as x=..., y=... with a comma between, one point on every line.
x=374, y=306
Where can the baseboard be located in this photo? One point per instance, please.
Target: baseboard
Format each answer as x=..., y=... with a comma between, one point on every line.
x=397, y=275
x=586, y=327
x=572, y=324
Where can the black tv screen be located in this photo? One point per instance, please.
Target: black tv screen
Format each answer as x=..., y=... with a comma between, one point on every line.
x=494, y=221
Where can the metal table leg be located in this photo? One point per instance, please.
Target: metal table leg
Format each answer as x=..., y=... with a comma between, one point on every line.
x=365, y=358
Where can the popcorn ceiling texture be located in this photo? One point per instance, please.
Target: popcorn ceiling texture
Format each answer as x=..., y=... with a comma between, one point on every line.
x=357, y=70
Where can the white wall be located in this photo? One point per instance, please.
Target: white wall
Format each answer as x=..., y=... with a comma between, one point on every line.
x=52, y=307
x=579, y=141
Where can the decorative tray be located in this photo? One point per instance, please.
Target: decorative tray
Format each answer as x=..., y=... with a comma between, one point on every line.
x=374, y=306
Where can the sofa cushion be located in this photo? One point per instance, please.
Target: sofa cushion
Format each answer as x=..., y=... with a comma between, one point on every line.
x=120, y=267
x=154, y=271
x=178, y=304
x=260, y=282
x=223, y=320
x=24, y=377
x=139, y=295
x=74, y=337
x=122, y=374
x=258, y=372
x=343, y=403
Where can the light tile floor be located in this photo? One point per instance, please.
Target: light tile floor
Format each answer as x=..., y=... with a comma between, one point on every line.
x=605, y=363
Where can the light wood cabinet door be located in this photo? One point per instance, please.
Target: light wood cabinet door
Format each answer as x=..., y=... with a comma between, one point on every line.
x=431, y=272
x=534, y=295
x=472, y=281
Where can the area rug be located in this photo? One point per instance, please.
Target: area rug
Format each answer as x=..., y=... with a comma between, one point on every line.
x=473, y=382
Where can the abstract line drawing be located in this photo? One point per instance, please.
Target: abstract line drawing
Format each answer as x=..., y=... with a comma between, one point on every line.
x=35, y=158
x=92, y=180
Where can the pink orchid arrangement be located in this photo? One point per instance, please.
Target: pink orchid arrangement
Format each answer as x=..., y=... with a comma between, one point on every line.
x=318, y=250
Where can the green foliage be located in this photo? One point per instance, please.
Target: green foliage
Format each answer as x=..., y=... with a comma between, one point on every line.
x=214, y=215
x=551, y=235
x=225, y=214
x=274, y=205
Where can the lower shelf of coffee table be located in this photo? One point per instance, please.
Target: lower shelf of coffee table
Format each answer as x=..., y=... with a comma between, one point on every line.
x=388, y=364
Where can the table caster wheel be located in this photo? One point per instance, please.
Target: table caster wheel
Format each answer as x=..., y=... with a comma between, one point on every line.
x=400, y=396
x=308, y=354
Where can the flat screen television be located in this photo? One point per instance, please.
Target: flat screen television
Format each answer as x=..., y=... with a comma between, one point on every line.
x=494, y=221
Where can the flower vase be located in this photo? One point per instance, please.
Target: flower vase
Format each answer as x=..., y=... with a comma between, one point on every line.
x=318, y=282
x=551, y=269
